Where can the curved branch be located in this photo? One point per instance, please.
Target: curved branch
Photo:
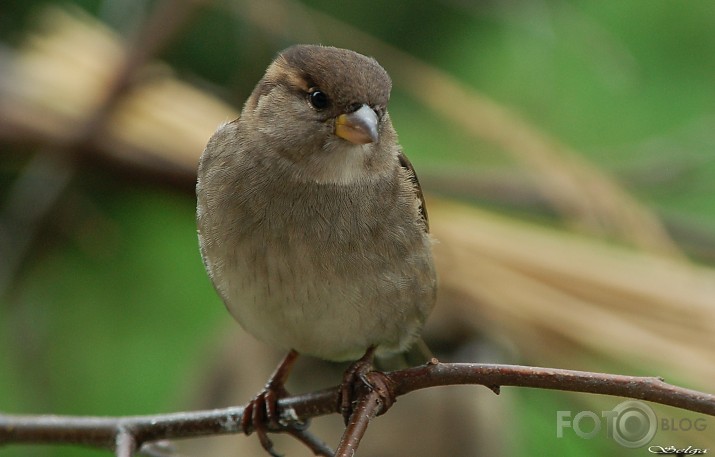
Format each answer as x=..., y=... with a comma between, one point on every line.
x=653, y=389
x=105, y=432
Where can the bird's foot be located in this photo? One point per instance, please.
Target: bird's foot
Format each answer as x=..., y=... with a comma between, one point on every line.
x=261, y=413
x=360, y=376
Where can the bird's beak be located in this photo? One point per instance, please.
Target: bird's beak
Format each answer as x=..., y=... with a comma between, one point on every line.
x=358, y=127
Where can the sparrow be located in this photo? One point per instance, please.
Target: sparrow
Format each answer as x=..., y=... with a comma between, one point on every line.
x=312, y=225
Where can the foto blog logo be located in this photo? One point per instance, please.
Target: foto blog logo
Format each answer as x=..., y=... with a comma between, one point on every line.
x=630, y=423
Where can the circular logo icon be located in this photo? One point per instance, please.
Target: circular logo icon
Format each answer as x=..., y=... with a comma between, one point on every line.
x=635, y=424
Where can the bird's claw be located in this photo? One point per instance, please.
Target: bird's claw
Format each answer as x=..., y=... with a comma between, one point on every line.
x=359, y=376
x=364, y=379
x=261, y=413
x=357, y=371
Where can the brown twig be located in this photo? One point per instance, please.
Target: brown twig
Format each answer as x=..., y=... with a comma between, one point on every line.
x=311, y=442
x=366, y=410
x=652, y=389
x=377, y=396
x=105, y=432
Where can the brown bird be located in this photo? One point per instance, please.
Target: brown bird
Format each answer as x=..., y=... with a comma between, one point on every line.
x=311, y=220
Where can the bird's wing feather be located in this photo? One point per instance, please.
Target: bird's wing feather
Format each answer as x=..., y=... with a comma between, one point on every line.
x=407, y=165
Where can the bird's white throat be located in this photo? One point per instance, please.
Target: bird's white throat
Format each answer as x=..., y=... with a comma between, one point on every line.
x=342, y=164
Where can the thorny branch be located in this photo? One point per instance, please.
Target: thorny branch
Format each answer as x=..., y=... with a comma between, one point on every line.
x=126, y=434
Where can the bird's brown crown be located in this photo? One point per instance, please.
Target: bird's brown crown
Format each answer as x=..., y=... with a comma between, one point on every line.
x=348, y=78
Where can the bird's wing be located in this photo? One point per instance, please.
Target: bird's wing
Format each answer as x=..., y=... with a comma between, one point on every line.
x=407, y=165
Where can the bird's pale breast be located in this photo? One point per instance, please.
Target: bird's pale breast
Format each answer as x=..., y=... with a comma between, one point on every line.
x=325, y=269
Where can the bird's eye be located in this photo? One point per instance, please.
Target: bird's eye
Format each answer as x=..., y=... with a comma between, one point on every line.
x=318, y=99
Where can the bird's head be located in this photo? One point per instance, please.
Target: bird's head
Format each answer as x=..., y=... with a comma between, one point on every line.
x=324, y=110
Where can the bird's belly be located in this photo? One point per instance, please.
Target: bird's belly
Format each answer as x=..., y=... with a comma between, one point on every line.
x=322, y=302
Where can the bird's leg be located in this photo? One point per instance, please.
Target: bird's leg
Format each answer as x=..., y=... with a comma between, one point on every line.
x=361, y=375
x=356, y=371
x=262, y=411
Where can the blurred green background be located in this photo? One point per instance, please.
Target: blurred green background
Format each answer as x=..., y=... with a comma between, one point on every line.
x=109, y=311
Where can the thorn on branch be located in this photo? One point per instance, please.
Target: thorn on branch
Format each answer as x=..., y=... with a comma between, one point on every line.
x=495, y=389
